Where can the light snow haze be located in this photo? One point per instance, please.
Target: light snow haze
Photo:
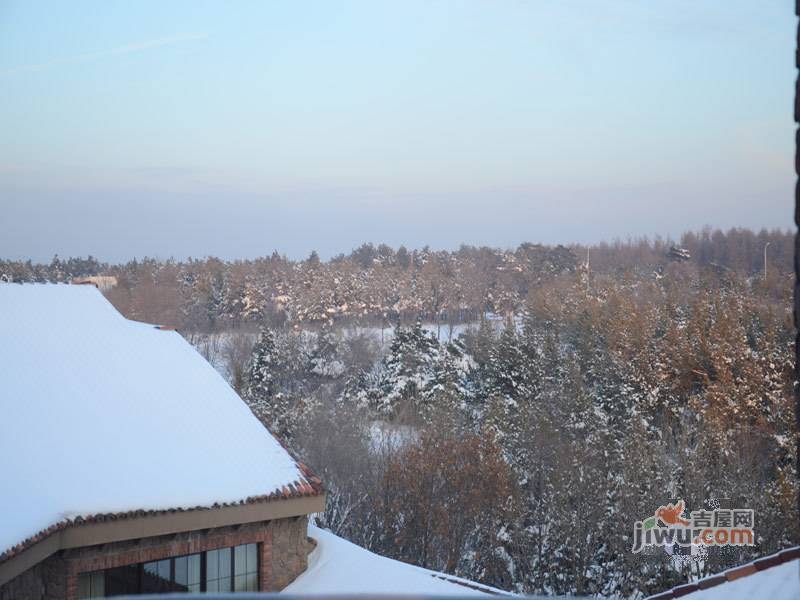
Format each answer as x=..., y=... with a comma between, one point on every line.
x=232, y=129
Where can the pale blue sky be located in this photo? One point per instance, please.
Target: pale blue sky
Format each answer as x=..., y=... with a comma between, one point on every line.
x=236, y=128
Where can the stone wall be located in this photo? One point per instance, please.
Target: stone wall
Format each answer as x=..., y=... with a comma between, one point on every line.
x=45, y=581
x=284, y=550
x=290, y=548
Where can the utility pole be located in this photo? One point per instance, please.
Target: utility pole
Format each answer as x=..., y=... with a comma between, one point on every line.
x=765, y=260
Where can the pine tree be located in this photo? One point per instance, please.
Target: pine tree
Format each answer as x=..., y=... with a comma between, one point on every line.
x=216, y=298
x=324, y=362
x=509, y=391
x=478, y=345
x=264, y=395
x=446, y=391
x=407, y=368
x=508, y=367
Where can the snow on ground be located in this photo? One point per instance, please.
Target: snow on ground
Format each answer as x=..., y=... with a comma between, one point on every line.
x=390, y=436
x=441, y=332
x=215, y=346
x=337, y=566
x=99, y=414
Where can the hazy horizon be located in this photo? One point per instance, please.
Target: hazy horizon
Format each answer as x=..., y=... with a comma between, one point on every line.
x=200, y=129
x=375, y=243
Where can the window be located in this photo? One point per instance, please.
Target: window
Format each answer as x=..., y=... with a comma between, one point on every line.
x=91, y=585
x=218, y=570
x=157, y=577
x=187, y=573
x=232, y=569
x=222, y=570
x=122, y=580
x=245, y=568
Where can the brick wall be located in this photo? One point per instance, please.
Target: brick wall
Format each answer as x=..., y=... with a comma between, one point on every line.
x=283, y=545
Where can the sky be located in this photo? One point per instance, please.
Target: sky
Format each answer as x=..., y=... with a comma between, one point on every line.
x=232, y=129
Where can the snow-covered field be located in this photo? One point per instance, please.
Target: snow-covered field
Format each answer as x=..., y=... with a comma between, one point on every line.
x=442, y=332
x=337, y=566
x=215, y=346
x=390, y=436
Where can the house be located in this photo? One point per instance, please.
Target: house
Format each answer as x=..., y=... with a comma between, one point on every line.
x=129, y=465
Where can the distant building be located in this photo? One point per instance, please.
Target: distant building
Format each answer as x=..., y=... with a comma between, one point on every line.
x=679, y=254
x=101, y=282
x=129, y=465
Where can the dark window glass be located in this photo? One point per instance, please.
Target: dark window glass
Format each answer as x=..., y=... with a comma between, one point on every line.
x=84, y=586
x=226, y=569
x=225, y=562
x=193, y=564
x=240, y=560
x=187, y=573
x=182, y=571
x=212, y=564
x=98, y=584
x=157, y=578
x=151, y=570
x=91, y=585
x=252, y=558
x=163, y=570
x=245, y=568
x=122, y=580
x=252, y=582
x=218, y=570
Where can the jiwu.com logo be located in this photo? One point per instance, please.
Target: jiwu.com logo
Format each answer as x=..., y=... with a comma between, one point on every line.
x=718, y=527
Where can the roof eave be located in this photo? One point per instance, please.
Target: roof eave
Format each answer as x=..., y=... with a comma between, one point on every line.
x=90, y=533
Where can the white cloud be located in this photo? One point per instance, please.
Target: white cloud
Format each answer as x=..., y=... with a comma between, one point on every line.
x=125, y=49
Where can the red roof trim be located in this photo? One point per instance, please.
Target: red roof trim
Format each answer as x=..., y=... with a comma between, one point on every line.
x=710, y=582
x=298, y=489
x=761, y=564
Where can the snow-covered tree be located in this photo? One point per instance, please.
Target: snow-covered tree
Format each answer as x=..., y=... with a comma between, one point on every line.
x=406, y=369
x=325, y=358
x=264, y=393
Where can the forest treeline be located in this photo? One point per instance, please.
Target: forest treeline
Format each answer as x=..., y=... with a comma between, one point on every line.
x=568, y=399
x=381, y=285
x=521, y=455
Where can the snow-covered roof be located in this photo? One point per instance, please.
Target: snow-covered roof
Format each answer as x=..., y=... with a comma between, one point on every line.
x=776, y=577
x=101, y=415
x=337, y=566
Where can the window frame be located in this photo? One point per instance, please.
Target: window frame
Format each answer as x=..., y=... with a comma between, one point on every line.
x=140, y=571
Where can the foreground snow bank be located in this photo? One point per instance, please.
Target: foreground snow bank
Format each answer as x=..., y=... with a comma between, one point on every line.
x=337, y=566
